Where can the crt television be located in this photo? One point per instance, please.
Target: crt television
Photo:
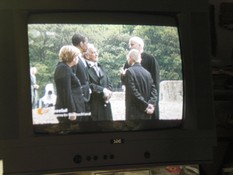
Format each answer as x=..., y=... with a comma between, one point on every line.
x=34, y=142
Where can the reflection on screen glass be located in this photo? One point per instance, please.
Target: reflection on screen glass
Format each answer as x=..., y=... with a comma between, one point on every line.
x=111, y=47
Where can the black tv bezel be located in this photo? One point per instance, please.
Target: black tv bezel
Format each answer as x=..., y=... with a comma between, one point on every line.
x=23, y=152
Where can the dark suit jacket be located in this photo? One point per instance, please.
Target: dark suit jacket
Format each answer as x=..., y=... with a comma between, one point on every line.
x=140, y=91
x=151, y=65
x=100, y=110
x=82, y=74
x=69, y=92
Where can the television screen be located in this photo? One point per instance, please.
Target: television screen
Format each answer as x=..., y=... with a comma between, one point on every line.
x=112, y=44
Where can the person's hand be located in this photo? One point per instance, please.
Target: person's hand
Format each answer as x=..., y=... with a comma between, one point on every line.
x=90, y=91
x=72, y=116
x=107, y=94
x=150, y=109
x=123, y=71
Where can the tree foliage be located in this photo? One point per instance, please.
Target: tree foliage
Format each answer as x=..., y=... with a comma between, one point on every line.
x=45, y=40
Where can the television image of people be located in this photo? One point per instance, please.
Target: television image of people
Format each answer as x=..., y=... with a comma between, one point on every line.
x=87, y=74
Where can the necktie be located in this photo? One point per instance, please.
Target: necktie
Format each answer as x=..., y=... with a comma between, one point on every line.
x=97, y=70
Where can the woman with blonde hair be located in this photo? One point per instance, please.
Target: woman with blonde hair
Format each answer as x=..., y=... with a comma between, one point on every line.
x=69, y=92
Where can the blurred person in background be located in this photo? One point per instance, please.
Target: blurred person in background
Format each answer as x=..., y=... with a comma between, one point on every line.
x=34, y=87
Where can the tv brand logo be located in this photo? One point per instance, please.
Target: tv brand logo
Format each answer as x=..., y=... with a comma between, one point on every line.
x=117, y=141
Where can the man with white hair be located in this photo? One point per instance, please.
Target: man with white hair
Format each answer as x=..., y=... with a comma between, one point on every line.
x=141, y=94
x=148, y=62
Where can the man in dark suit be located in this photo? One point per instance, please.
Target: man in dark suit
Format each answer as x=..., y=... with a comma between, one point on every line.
x=100, y=86
x=141, y=94
x=80, y=69
x=149, y=63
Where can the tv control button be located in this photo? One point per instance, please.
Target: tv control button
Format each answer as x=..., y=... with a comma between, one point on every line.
x=77, y=159
x=105, y=157
x=95, y=157
x=147, y=155
x=112, y=156
x=88, y=158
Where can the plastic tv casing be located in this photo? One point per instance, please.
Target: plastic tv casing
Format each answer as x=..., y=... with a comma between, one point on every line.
x=24, y=152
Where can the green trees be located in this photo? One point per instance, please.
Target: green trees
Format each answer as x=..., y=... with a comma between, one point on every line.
x=45, y=40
